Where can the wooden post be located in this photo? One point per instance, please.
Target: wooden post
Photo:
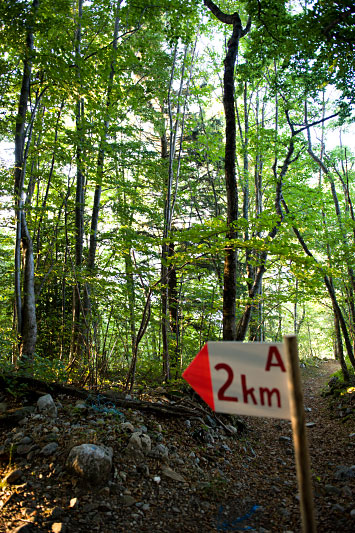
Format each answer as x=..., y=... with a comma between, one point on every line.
x=303, y=466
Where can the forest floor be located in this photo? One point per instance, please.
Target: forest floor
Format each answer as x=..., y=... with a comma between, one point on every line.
x=200, y=479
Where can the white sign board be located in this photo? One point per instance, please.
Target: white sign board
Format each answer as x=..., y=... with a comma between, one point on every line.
x=242, y=378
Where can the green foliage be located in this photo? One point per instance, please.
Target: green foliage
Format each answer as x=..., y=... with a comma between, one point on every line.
x=44, y=369
x=128, y=113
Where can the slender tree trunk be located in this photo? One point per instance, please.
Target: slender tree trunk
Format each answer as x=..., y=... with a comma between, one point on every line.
x=230, y=258
x=339, y=352
x=131, y=297
x=164, y=274
x=26, y=308
x=170, y=197
x=173, y=314
x=77, y=342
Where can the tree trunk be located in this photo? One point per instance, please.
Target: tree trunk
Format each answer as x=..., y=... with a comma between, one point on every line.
x=173, y=300
x=339, y=349
x=77, y=341
x=26, y=309
x=230, y=257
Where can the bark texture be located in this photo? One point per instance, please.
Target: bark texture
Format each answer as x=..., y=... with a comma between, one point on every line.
x=230, y=258
x=25, y=302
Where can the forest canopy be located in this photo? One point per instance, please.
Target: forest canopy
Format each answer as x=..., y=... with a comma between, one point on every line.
x=172, y=173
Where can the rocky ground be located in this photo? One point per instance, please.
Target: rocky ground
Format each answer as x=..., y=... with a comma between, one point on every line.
x=172, y=473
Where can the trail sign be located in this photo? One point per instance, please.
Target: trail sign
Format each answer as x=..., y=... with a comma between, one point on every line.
x=260, y=379
x=242, y=378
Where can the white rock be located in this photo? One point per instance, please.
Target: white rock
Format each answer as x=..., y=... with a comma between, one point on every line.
x=139, y=441
x=46, y=405
x=91, y=462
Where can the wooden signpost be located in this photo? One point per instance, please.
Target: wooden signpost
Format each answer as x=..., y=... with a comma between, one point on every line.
x=258, y=379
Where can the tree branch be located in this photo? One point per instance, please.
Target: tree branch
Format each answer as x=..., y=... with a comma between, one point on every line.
x=223, y=17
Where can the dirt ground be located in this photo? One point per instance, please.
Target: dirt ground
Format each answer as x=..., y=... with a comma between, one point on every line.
x=209, y=481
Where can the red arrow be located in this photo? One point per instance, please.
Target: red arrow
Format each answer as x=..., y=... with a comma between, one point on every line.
x=198, y=375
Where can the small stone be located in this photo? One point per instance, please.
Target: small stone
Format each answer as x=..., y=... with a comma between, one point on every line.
x=338, y=508
x=330, y=489
x=232, y=429
x=105, y=491
x=344, y=472
x=128, y=500
x=352, y=513
x=25, y=440
x=24, y=449
x=80, y=404
x=104, y=507
x=160, y=451
x=46, y=405
x=284, y=438
x=346, y=491
x=114, y=488
x=171, y=474
x=51, y=437
x=159, y=437
x=143, y=469
x=49, y=449
x=310, y=424
x=156, y=479
x=58, y=527
x=139, y=442
x=127, y=426
x=74, y=503
x=14, y=476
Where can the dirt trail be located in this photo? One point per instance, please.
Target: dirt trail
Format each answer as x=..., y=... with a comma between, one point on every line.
x=245, y=482
x=272, y=479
